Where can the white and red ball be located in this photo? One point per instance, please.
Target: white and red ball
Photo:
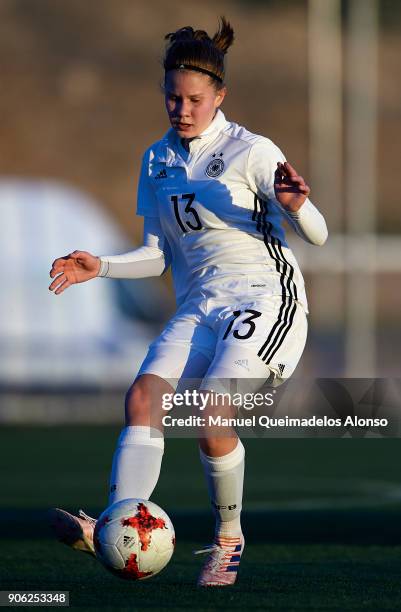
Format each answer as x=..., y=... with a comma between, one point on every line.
x=134, y=539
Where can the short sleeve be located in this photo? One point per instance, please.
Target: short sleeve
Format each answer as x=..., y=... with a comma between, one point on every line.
x=262, y=164
x=146, y=198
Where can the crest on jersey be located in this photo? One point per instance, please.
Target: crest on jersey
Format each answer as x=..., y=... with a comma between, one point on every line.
x=215, y=167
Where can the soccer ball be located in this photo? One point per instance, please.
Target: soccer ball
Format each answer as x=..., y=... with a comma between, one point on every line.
x=134, y=539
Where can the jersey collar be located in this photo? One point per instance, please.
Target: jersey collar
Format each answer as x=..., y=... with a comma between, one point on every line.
x=219, y=123
x=166, y=151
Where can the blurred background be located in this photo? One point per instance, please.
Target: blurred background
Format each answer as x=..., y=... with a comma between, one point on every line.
x=81, y=101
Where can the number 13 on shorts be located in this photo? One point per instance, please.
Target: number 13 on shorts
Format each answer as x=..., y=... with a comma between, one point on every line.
x=248, y=321
x=269, y=334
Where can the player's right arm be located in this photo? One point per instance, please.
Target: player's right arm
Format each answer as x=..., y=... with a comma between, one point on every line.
x=154, y=257
x=151, y=259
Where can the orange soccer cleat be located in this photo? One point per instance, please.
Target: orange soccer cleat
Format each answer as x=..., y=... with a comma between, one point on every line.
x=75, y=531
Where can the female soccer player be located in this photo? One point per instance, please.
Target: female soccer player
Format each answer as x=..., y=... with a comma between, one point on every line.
x=213, y=196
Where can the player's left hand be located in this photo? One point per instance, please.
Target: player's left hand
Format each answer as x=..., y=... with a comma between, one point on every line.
x=290, y=188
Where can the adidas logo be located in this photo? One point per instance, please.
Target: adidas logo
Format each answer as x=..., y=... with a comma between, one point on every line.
x=161, y=174
x=243, y=363
x=281, y=368
x=127, y=540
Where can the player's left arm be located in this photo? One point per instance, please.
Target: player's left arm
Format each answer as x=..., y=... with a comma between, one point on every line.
x=270, y=175
x=291, y=192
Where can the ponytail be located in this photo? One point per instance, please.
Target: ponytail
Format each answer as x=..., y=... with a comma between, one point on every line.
x=190, y=49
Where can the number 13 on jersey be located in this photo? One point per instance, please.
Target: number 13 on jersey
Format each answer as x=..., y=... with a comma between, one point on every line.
x=185, y=213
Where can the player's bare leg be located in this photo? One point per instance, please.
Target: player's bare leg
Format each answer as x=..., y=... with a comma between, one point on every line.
x=222, y=456
x=138, y=456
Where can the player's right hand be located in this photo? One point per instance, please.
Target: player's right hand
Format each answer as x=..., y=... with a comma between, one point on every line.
x=77, y=267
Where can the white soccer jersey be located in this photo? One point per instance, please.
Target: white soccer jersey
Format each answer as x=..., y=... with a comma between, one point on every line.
x=217, y=208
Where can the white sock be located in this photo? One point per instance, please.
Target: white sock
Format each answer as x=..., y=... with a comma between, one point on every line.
x=136, y=463
x=225, y=481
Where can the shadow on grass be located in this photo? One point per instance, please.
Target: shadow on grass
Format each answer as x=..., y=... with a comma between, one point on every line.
x=381, y=527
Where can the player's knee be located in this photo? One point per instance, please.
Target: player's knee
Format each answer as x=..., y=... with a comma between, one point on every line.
x=217, y=447
x=138, y=402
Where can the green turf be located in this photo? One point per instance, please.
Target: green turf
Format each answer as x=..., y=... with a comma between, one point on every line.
x=322, y=520
x=275, y=577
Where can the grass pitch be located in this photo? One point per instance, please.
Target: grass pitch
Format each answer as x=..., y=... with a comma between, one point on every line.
x=322, y=521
